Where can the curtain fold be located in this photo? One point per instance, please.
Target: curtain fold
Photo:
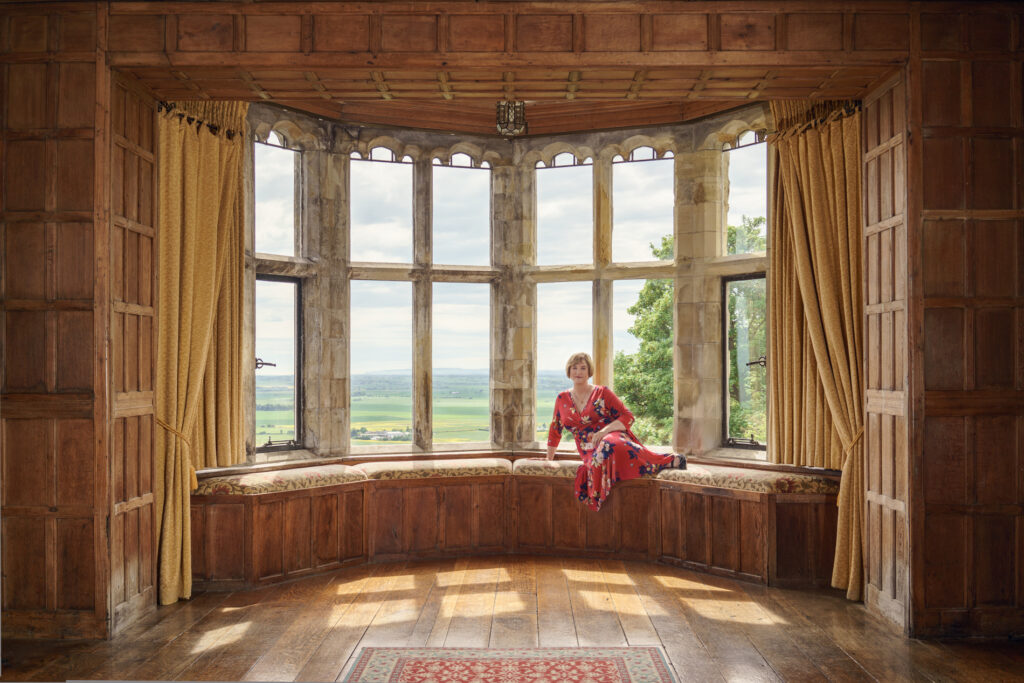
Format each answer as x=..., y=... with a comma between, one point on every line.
x=200, y=226
x=818, y=311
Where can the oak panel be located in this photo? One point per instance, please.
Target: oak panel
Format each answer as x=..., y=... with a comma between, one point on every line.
x=76, y=98
x=25, y=175
x=327, y=515
x=940, y=32
x=611, y=32
x=944, y=158
x=544, y=32
x=28, y=110
x=988, y=32
x=941, y=79
x=945, y=460
x=336, y=33
x=814, y=31
x=273, y=33
x=28, y=33
x=353, y=527
x=943, y=258
x=696, y=547
x=992, y=179
x=297, y=545
x=534, y=502
x=995, y=257
x=476, y=33
x=75, y=459
x=224, y=533
x=634, y=523
x=408, y=33
x=28, y=462
x=990, y=83
x=490, y=512
x=995, y=567
x=679, y=31
x=387, y=523
x=753, y=551
x=75, y=277
x=458, y=514
x=994, y=346
x=881, y=31
x=567, y=518
x=76, y=564
x=24, y=557
x=205, y=33
x=134, y=34
x=74, y=351
x=268, y=544
x=24, y=260
x=747, y=31
x=996, y=466
x=944, y=561
x=421, y=519
x=75, y=183
x=943, y=348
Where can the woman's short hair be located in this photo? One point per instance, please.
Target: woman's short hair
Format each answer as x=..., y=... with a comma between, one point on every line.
x=580, y=357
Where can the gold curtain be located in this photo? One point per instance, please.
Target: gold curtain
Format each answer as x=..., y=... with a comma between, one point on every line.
x=818, y=310
x=198, y=391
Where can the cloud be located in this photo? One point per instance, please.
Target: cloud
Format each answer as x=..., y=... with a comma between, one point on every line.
x=461, y=326
x=462, y=216
x=275, y=325
x=748, y=183
x=381, y=211
x=274, y=200
x=643, y=198
x=565, y=215
x=564, y=322
x=381, y=326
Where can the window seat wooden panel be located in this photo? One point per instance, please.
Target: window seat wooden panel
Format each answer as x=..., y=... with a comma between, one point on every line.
x=775, y=528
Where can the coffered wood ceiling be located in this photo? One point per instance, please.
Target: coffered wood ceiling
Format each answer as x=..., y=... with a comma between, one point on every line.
x=443, y=65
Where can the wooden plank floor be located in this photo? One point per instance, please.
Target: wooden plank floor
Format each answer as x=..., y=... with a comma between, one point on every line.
x=711, y=628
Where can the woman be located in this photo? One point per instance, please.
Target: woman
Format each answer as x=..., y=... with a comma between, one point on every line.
x=600, y=423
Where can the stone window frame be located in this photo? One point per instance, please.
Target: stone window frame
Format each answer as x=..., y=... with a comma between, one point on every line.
x=325, y=270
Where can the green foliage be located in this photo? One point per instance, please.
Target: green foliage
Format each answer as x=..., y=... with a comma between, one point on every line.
x=747, y=237
x=643, y=380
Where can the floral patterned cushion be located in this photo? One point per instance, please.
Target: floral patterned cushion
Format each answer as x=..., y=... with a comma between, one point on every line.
x=279, y=480
x=540, y=467
x=420, y=469
x=762, y=481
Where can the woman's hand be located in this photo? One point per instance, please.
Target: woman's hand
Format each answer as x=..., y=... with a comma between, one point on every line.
x=595, y=439
x=551, y=453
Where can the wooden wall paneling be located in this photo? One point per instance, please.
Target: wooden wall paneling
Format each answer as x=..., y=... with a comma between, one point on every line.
x=385, y=520
x=670, y=536
x=534, y=513
x=421, y=519
x=885, y=350
x=965, y=345
x=55, y=324
x=131, y=185
x=268, y=544
x=297, y=544
x=490, y=502
x=458, y=513
x=327, y=514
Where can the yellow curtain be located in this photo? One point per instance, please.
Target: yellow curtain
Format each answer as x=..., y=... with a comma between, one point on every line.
x=199, y=305
x=819, y=311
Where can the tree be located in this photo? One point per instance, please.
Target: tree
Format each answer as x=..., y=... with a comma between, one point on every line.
x=644, y=379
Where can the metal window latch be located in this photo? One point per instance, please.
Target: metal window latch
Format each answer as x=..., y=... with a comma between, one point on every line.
x=260, y=363
x=762, y=361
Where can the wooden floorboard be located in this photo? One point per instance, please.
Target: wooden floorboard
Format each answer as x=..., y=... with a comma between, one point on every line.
x=710, y=628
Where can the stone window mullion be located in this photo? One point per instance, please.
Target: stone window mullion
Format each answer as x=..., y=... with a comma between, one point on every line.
x=603, y=303
x=422, y=304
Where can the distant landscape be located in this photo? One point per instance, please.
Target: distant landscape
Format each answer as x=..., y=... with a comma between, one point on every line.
x=382, y=406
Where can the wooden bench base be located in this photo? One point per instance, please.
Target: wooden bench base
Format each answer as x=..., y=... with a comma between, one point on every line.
x=251, y=540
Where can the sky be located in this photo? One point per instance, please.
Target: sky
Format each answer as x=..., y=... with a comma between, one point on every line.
x=381, y=218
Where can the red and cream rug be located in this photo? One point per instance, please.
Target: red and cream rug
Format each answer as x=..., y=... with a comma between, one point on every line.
x=519, y=665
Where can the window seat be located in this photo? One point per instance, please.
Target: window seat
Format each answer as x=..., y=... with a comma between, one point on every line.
x=756, y=524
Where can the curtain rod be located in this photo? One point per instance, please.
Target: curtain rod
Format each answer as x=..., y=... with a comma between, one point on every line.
x=172, y=108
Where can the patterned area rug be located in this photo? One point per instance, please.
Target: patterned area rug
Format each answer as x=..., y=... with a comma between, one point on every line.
x=519, y=665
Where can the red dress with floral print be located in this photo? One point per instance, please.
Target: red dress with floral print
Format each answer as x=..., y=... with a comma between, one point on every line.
x=618, y=457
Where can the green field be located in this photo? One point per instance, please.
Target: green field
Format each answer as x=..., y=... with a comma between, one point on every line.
x=383, y=403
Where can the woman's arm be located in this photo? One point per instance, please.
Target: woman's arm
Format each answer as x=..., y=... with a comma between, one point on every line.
x=613, y=426
x=554, y=433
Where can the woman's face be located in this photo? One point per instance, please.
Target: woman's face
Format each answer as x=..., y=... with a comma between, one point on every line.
x=579, y=372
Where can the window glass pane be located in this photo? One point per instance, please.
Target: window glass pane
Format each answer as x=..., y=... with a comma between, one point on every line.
x=275, y=343
x=462, y=216
x=381, y=362
x=565, y=215
x=643, y=202
x=748, y=199
x=274, y=188
x=461, y=349
x=746, y=338
x=642, y=334
x=564, y=326
x=381, y=210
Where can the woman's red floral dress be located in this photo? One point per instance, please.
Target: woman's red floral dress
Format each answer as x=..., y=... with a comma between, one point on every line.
x=619, y=457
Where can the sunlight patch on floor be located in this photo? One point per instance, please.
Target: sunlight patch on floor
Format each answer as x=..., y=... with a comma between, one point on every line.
x=676, y=582
x=219, y=637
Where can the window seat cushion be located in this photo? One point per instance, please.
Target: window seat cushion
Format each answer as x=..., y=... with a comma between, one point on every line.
x=279, y=480
x=422, y=469
x=761, y=481
x=541, y=467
